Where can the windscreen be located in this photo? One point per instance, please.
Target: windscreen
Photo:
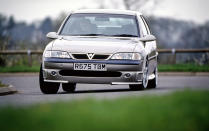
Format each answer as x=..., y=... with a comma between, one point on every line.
x=101, y=24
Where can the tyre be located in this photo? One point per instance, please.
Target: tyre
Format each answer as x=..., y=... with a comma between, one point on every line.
x=153, y=83
x=47, y=87
x=69, y=87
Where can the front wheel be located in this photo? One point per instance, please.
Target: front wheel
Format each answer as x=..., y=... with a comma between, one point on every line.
x=47, y=87
x=144, y=80
x=153, y=83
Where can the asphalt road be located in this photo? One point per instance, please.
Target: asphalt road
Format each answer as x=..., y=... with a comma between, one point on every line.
x=29, y=92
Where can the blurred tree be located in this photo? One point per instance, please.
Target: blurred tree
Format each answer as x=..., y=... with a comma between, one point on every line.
x=11, y=23
x=46, y=26
x=58, y=21
x=2, y=26
x=139, y=4
x=145, y=6
x=3, y=31
x=2, y=37
x=196, y=37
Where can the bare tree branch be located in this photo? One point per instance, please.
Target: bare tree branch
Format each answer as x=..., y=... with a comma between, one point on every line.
x=138, y=4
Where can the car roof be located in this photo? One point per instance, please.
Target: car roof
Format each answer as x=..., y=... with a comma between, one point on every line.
x=107, y=11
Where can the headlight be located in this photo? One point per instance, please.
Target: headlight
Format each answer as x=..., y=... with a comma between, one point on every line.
x=57, y=54
x=127, y=56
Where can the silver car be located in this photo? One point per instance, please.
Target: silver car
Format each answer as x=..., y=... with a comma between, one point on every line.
x=101, y=47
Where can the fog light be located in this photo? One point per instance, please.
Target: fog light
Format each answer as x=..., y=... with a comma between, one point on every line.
x=53, y=73
x=138, y=76
x=127, y=75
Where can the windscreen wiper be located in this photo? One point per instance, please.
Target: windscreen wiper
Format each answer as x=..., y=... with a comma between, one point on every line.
x=125, y=35
x=90, y=34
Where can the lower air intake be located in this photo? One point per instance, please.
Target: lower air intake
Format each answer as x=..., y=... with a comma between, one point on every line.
x=90, y=73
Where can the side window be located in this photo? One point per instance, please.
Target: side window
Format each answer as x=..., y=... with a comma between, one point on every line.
x=143, y=27
x=146, y=24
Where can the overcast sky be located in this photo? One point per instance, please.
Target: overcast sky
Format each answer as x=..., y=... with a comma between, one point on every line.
x=30, y=10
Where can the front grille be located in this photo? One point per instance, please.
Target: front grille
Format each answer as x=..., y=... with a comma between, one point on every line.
x=80, y=56
x=90, y=73
x=100, y=57
x=95, y=57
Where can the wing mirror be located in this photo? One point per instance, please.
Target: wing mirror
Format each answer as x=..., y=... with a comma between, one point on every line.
x=52, y=35
x=148, y=38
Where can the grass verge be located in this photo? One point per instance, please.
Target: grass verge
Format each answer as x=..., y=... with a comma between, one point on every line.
x=20, y=68
x=3, y=85
x=183, y=68
x=162, y=68
x=187, y=110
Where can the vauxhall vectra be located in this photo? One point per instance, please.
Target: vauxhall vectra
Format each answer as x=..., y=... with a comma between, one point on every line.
x=100, y=46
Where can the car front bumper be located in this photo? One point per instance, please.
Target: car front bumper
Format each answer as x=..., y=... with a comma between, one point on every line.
x=130, y=72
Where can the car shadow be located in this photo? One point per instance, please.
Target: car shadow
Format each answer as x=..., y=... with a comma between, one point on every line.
x=103, y=91
x=97, y=91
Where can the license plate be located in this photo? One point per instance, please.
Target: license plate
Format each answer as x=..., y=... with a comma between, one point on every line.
x=90, y=66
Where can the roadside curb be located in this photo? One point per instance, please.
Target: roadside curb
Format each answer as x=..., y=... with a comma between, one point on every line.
x=7, y=90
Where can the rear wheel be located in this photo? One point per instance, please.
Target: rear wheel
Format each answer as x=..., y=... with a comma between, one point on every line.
x=47, y=87
x=69, y=87
x=153, y=83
